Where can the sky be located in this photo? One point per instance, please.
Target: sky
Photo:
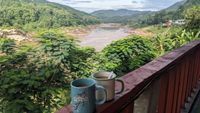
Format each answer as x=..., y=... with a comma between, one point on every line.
x=93, y=5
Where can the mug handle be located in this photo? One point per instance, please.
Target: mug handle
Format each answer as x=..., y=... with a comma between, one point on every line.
x=122, y=86
x=101, y=88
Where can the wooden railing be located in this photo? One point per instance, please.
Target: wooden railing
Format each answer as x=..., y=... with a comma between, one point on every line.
x=168, y=84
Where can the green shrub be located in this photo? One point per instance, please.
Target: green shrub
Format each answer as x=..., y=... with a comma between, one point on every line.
x=38, y=81
x=125, y=55
x=171, y=41
x=192, y=17
x=7, y=46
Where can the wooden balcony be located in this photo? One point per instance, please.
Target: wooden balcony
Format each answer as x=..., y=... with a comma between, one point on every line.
x=168, y=84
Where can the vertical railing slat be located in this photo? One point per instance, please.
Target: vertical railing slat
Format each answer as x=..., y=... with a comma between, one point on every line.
x=195, y=69
x=189, y=77
x=163, y=93
x=192, y=73
x=185, y=81
x=198, y=73
x=176, y=88
x=170, y=92
x=181, y=86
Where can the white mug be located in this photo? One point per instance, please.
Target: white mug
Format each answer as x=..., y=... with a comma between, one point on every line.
x=107, y=80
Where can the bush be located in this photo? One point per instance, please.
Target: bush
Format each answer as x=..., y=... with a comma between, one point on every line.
x=37, y=81
x=7, y=46
x=125, y=55
x=171, y=41
x=192, y=17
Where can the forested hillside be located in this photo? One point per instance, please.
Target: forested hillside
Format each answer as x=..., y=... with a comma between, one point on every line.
x=174, y=12
x=175, y=6
x=40, y=13
x=143, y=18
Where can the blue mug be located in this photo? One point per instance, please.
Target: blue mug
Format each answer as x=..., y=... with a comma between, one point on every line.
x=83, y=95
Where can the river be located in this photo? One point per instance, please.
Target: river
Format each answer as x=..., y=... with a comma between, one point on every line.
x=102, y=35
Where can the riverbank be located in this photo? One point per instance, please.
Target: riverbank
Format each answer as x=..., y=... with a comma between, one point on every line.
x=99, y=36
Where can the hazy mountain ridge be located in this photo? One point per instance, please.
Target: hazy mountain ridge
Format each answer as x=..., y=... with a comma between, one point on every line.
x=112, y=13
x=118, y=16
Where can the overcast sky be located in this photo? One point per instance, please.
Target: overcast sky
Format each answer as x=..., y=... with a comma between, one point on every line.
x=93, y=5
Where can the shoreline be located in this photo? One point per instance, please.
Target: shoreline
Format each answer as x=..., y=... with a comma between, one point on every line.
x=80, y=32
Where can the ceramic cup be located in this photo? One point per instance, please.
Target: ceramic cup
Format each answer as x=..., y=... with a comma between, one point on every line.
x=83, y=95
x=102, y=78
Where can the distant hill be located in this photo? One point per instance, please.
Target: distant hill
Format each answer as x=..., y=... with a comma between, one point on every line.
x=41, y=14
x=112, y=13
x=145, y=17
x=190, y=3
x=175, y=6
x=171, y=13
x=117, y=16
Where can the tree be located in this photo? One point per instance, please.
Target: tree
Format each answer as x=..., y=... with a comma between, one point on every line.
x=192, y=17
x=29, y=14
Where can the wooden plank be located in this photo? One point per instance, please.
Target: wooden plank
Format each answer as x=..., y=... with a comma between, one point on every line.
x=185, y=81
x=198, y=64
x=181, y=87
x=154, y=96
x=192, y=72
x=189, y=78
x=170, y=92
x=176, y=88
x=195, y=70
x=163, y=93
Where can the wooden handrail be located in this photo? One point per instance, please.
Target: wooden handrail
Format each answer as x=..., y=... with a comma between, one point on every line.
x=177, y=72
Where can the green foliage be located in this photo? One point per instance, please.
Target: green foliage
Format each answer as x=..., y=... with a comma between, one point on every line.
x=168, y=42
x=192, y=17
x=127, y=54
x=7, y=46
x=28, y=14
x=38, y=81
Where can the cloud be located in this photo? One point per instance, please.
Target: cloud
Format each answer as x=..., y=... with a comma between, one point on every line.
x=76, y=1
x=134, y=1
x=158, y=4
x=93, y=5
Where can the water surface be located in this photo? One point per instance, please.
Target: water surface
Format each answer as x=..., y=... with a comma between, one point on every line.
x=103, y=35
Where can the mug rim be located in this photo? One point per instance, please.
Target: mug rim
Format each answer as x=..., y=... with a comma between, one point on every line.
x=103, y=79
x=94, y=82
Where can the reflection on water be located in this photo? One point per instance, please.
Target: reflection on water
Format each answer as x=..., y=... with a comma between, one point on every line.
x=103, y=35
